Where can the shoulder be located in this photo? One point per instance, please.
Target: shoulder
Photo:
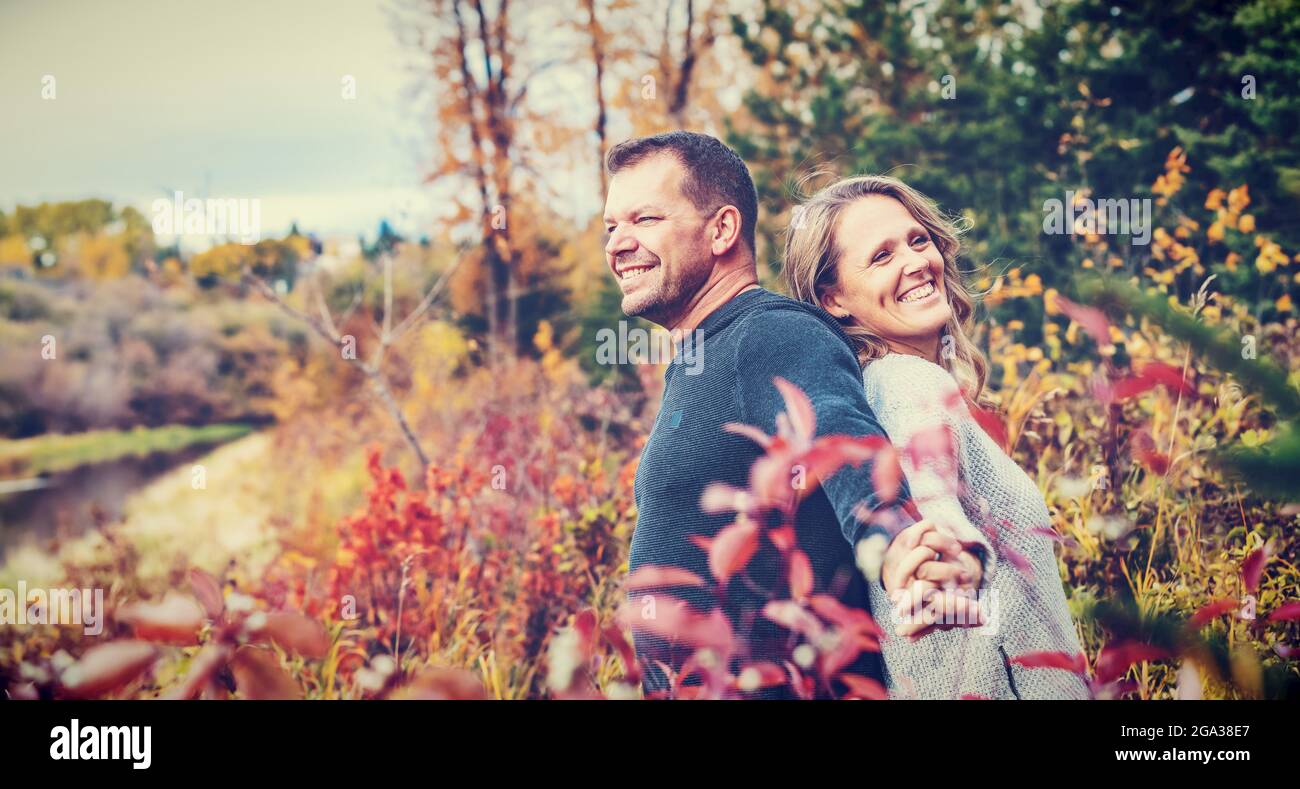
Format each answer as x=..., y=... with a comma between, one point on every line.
x=779, y=322
x=900, y=377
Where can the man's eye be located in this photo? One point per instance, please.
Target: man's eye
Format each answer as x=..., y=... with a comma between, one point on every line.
x=647, y=219
x=881, y=255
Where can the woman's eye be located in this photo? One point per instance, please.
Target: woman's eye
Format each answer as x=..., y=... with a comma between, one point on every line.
x=880, y=256
x=921, y=241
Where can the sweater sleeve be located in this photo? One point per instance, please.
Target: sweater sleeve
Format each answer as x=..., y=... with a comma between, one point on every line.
x=796, y=345
x=921, y=408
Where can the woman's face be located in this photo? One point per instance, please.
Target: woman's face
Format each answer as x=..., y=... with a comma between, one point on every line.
x=890, y=275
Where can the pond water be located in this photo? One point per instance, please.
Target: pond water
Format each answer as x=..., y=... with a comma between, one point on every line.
x=68, y=503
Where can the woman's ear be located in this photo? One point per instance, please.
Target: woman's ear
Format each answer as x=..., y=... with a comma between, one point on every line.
x=831, y=303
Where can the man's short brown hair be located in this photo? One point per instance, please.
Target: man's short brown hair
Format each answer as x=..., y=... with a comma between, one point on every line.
x=715, y=174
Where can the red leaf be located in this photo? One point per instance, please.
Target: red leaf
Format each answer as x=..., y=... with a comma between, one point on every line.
x=1287, y=612
x=783, y=538
x=175, y=620
x=208, y=592
x=1116, y=658
x=934, y=445
x=675, y=620
x=1169, y=377
x=1016, y=559
x=721, y=497
x=653, y=575
x=259, y=676
x=763, y=674
x=443, y=684
x=631, y=668
x=794, y=617
x=107, y=667
x=1148, y=377
x=584, y=624
x=1090, y=319
x=845, y=617
x=1210, y=611
x=801, y=575
x=803, y=686
x=863, y=688
x=1156, y=462
x=1252, y=569
x=991, y=423
x=846, y=650
x=798, y=409
x=700, y=541
x=203, y=667
x=295, y=633
x=732, y=549
x=1076, y=662
x=750, y=432
x=1052, y=535
x=887, y=475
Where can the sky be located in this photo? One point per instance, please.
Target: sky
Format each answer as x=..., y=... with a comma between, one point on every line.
x=233, y=100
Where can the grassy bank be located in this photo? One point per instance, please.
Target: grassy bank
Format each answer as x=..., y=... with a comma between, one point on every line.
x=59, y=452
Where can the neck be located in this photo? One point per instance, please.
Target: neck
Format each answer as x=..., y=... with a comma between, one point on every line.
x=926, y=348
x=721, y=288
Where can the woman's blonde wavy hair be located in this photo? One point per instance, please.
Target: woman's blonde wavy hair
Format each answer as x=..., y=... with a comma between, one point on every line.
x=811, y=266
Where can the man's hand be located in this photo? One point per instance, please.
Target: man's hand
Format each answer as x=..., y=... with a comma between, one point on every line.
x=932, y=580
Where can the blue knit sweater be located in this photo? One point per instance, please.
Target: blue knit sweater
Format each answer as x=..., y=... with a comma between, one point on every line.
x=747, y=342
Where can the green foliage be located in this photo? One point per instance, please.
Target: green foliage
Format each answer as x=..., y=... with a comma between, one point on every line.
x=992, y=108
x=1271, y=469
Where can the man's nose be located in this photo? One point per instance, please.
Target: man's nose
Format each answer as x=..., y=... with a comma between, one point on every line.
x=619, y=241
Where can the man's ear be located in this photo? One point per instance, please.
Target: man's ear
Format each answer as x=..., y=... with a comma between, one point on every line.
x=725, y=230
x=830, y=301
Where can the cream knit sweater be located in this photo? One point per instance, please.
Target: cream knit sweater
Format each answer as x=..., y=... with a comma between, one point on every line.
x=967, y=485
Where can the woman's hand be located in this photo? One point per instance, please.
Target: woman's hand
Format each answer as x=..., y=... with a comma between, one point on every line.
x=932, y=579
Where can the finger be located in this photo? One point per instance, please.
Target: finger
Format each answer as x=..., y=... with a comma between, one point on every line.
x=911, y=536
x=958, y=609
x=908, y=565
x=944, y=543
x=911, y=606
x=925, y=621
x=943, y=573
x=908, y=601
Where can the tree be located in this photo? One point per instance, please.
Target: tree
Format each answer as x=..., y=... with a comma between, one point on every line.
x=994, y=108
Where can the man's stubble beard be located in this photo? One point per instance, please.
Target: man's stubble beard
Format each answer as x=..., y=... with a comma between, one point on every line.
x=669, y=302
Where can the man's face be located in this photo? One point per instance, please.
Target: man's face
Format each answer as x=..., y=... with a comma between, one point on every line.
x=658, y=247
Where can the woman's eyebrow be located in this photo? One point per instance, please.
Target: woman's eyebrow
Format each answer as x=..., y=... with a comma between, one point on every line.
x=876, y=251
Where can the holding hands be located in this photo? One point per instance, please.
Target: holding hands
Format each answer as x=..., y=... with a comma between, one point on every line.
x=932, y=579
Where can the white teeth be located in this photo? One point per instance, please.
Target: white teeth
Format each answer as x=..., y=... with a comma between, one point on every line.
x=630, y=273
x=919, y=292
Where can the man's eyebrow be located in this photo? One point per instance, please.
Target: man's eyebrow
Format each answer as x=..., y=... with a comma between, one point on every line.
x=641, y=209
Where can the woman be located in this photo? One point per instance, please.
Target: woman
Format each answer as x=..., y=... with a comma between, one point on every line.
x=880, y=257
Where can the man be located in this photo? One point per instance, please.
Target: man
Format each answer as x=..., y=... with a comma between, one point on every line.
x=681, y=214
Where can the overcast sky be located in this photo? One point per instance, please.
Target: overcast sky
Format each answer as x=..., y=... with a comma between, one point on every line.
x=235, y=99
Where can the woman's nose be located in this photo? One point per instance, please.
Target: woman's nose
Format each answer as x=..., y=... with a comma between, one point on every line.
x=914, y=262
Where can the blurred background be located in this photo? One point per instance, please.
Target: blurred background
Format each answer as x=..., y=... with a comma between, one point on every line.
x=375, y=378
